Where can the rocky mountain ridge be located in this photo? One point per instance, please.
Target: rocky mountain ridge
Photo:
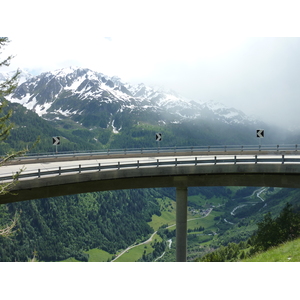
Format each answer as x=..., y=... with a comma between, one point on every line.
x=93, y=99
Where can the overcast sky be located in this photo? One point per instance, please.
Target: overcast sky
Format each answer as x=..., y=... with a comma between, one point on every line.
x=202, y=51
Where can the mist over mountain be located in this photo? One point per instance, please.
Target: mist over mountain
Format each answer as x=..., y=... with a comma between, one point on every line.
x=83, y=96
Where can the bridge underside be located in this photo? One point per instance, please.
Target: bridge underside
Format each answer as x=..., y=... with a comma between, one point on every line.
x=286, y=175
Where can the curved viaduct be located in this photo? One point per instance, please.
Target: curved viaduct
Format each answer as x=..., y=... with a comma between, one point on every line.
x=43, y=179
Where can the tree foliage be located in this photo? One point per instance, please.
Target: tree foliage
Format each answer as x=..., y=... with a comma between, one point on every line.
x=272, y=232
x=6, y=88
x=63, y=227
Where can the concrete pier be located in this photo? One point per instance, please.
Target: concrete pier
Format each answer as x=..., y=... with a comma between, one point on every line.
x=181, y=223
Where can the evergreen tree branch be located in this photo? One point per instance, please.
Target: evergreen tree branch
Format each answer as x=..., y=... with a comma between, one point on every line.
x=8, y=230
x=6, y=88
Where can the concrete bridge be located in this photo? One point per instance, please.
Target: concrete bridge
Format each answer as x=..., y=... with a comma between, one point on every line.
x=58, y=175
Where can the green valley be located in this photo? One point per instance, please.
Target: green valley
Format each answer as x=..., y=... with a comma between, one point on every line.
x=207, y=230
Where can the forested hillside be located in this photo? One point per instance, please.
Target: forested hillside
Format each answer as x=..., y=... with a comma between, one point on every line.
x=58, y=228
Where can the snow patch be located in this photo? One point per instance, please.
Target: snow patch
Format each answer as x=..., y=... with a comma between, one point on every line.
x=42, y=109
x=115, y=130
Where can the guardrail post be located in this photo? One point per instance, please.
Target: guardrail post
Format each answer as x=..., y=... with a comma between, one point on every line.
x=215, y=160
x=277, y=148
x=138, y=164
x=282, y=159
x=255, y=159
x=99, y=167
x=196, y=161
x=39, y=173
x=157, y=165
x=59, y=170
x=176, y=162
x=79, y=169
x=118, y=165
x=235, y=159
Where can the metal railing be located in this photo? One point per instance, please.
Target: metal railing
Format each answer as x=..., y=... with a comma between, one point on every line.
x=164, y=162
x=162, y=150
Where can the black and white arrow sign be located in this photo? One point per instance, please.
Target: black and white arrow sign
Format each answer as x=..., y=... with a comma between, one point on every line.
x=158, y=137
x=260, y=133
x=56, y=140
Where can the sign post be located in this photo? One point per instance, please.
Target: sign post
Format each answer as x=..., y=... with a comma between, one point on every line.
x=56, y=141
x=158, y=138
x=260, y=133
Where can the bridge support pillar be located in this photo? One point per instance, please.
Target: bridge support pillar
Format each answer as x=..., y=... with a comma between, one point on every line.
x=181, y=223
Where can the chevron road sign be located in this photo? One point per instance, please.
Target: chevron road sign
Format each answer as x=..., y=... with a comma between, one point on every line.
x=55, y=140
x=260, y=133
x=158, y=137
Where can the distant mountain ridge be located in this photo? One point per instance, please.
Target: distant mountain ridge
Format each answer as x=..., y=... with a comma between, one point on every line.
x=24, y=76
x=93, y=99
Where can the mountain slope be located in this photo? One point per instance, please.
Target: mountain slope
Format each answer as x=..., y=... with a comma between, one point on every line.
x=93, y=99
x=61, y=227
x=28, y=126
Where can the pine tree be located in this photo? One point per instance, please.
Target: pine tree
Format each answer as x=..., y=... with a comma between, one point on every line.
x=6, y=88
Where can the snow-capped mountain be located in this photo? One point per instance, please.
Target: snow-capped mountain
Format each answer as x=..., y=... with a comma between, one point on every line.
x=94, y=99
x=24, y=76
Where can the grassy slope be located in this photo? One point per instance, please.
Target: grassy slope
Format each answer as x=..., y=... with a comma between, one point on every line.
x=287, y=252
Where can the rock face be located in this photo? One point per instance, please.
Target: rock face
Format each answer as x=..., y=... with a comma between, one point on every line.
x=94, y=99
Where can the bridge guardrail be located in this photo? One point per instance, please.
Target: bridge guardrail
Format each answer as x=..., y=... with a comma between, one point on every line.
x=282, y=159
x=175, y=149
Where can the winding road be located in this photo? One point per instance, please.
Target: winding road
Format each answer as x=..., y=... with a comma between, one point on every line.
x=258, y=192
x=153, y=234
